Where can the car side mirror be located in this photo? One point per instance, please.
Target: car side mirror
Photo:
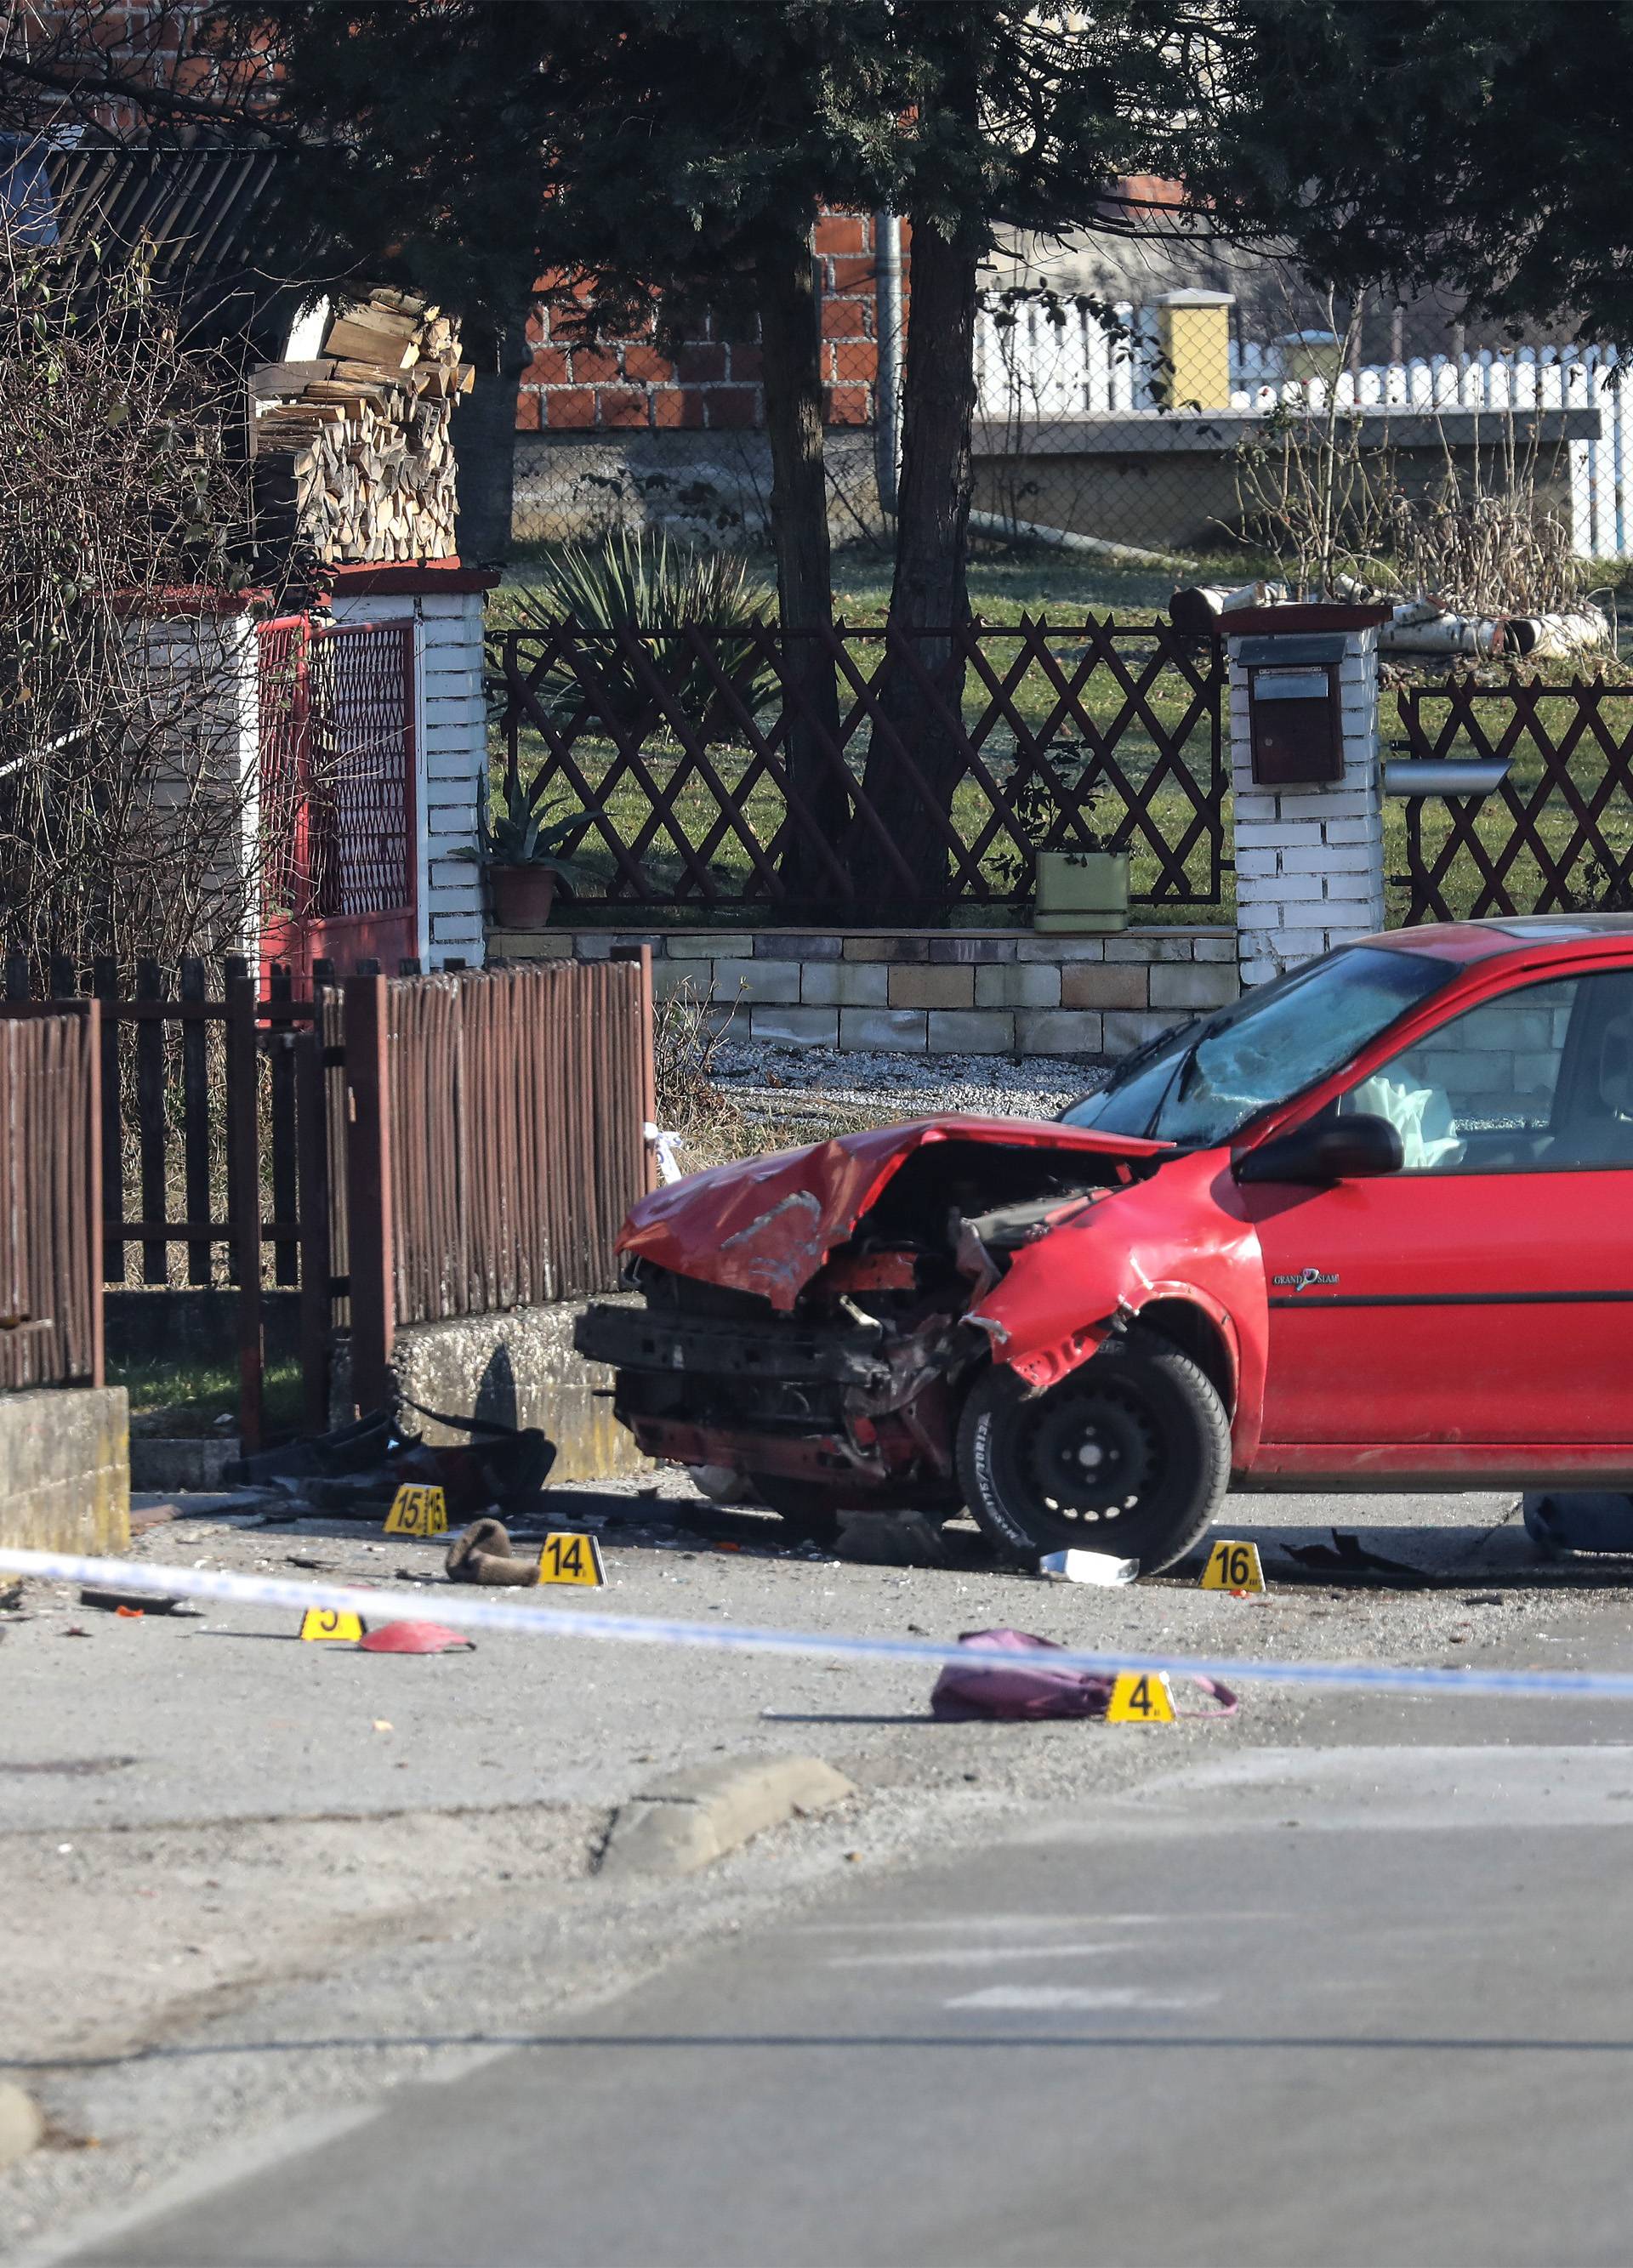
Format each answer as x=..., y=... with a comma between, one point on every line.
x=1327, y=1150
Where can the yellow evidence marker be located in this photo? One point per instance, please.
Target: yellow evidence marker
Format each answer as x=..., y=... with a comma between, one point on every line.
x=1139, y=1697
x=1233, y=1567
x=417, y=1512
x=324, y=1621
x=570, y=1558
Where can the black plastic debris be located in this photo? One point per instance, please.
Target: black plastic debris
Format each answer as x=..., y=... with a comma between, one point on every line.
x=134, y=1603
x=356, y=1470
x=1578, y=1520
x=1346, y=1555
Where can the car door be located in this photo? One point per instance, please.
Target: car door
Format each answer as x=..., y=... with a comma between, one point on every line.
x=1482, y=1295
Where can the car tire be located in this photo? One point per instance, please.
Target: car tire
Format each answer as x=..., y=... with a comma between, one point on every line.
x=1130, y=1454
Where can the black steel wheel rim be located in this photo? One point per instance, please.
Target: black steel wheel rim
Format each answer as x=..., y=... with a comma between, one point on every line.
x=1090, y=1454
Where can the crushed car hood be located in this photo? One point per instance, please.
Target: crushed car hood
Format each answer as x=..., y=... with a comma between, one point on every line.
x=768, y=1225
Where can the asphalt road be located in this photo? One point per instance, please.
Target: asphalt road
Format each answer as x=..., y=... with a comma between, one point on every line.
x=1365, y=1998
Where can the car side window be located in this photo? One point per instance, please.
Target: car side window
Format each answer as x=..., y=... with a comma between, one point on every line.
x=1539, y=1080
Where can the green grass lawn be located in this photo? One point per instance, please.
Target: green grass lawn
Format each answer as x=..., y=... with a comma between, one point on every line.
x=1064, y=590
x=187, y=1393
x=1005, y=583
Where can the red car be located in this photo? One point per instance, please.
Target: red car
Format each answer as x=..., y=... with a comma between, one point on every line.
x=1372, y=1227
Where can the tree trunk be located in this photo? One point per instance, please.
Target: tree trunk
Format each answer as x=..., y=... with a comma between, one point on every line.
x=484, y=432
x=792, y=366
x=930, y=592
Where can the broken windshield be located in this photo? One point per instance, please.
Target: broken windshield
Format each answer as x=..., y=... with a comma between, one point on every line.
x=1202, y=1084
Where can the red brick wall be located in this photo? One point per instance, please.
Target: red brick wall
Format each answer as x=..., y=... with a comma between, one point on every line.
x=158, y=43
x=712, y=383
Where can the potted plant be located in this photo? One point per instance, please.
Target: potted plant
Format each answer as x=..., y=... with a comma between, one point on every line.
x=1081, y=891
x=521, y=855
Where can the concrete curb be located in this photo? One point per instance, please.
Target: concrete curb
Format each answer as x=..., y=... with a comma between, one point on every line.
x=22, y=2124
x=693, y=1817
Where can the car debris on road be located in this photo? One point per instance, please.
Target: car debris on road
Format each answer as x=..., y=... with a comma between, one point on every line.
x=1032, y=1688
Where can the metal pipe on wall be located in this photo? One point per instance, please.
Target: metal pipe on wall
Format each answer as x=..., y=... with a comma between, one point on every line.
x=887, y=273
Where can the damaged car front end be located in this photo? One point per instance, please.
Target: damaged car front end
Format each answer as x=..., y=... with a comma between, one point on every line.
x=815, y=1320
x=1068, y=1327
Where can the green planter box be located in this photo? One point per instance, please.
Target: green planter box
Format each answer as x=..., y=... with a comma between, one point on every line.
x=1081, y=893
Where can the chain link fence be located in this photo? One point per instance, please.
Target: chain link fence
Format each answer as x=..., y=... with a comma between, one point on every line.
x=1187, y=413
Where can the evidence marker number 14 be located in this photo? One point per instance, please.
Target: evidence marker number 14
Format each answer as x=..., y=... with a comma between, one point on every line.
x=567, y=1557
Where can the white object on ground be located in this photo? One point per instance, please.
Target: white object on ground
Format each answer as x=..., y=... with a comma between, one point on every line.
x=721, y=1484
x=668, y=1148
x=1064, y=539
x=1088, y=1568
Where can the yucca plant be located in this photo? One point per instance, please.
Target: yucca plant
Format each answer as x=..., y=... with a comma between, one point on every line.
x=524, y=833
x=641, y=581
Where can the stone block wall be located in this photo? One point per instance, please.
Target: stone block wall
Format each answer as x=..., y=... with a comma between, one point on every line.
x=928, y=991
x=65, y=1469
x=516, y=1368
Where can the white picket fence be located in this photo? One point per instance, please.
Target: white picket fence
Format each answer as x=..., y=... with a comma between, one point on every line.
x=1030, y=370
x=1029, y=367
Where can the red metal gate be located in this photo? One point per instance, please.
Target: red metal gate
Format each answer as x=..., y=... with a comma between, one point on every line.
x=337, y=819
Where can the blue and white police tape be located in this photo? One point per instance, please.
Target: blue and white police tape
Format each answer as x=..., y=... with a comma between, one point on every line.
x=458, y=1608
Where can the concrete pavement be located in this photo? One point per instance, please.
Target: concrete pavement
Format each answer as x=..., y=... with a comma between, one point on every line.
x=263, y=1884
x=1353, y=2004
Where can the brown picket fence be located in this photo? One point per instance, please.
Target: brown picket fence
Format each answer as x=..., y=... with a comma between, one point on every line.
x=496, y=1136
x=50, y=1199
x=402, y=1150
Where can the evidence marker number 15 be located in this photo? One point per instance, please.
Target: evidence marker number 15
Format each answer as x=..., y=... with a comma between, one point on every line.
x=418, y=1510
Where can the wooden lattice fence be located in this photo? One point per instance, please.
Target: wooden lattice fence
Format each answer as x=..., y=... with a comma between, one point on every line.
x=674, y=747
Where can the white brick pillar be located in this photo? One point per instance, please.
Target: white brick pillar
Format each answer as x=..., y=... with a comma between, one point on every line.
x=1309, y=860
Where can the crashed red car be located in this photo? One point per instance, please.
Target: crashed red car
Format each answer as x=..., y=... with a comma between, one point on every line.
x=1372, y=1227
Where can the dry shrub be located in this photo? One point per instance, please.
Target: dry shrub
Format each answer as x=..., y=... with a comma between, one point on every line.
x=1329, y=508
x=1485, y=552
x=715, y=1126
x=686, y=1038
x=124, y=535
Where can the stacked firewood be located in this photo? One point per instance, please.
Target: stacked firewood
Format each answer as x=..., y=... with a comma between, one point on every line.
x=354, y=452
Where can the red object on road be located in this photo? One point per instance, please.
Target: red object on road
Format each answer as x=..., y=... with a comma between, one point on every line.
x=1370, y=1226
x=415, y=1638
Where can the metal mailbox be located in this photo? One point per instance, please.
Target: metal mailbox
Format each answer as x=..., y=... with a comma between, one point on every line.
x=1293, y=701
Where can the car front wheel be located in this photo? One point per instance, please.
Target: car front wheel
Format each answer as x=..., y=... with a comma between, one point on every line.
x=1131, y=1455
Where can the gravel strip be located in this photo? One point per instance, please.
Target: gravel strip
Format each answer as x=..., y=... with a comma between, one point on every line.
x=1012, y=1087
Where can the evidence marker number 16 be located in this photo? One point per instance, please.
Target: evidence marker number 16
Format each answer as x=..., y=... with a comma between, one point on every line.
x=1233, y=1567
